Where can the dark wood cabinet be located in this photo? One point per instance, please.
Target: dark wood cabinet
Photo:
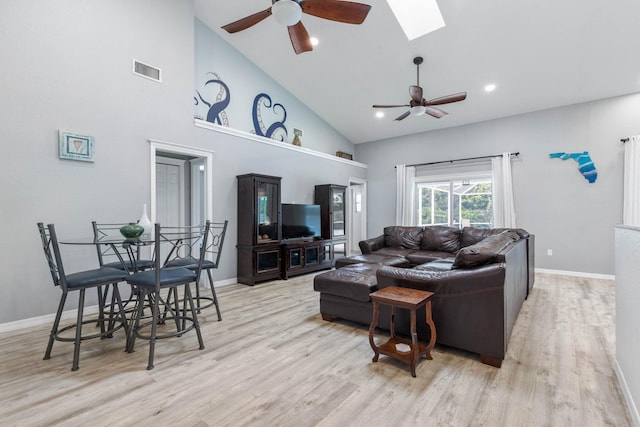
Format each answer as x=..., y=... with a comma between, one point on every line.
x=259, y=228
x=332, y=201
x=332, y=198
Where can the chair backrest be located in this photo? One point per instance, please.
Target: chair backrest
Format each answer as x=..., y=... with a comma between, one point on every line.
x=213, y=248
x=52, y=254
x=106, y=253
x=183, y=242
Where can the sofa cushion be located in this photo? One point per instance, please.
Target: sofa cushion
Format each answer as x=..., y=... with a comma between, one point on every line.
x=374, y=258
x=421, y=257
x=484, y=251
x=394, y=252
x=442, y=264
x=402, y=237
x=472, y=235
x=440, y=238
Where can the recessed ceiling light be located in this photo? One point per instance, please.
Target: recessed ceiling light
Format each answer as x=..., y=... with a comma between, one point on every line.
x=379, y=114
x=417, y=17
x=490, y=87
x=314, y=41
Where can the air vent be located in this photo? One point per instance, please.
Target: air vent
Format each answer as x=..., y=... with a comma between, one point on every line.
x=147, y=71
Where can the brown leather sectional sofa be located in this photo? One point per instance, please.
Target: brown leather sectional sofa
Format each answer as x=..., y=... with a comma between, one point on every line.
x=480, y=278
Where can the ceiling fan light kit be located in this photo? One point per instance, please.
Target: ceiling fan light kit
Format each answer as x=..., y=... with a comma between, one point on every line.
x=418, y=110
x=287, y=12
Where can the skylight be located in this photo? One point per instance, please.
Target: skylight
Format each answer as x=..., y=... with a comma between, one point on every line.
x=417, y=17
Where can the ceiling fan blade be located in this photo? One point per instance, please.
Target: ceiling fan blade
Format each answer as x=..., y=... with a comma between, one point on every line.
x=404, y=116
x=246, y=22
x=416, y=93
x=435, y=112
x=335, y=10
x=300, y=38
x=446, y=99
x=390, y=106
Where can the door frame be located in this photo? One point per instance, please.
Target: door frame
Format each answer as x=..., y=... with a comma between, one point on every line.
x=170, y=147
x=363, y=226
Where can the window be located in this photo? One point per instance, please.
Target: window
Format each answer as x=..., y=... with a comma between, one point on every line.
x=454, y=200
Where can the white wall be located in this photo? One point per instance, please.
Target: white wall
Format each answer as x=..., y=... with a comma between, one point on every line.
x=553, y=201
x=627, y=244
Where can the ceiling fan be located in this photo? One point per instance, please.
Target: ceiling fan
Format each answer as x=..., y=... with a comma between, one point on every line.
x=418, y=105
x=289, y=12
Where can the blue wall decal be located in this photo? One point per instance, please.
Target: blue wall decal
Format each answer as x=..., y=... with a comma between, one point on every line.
x=585, y=165
x=216, y=113
x=277, y=130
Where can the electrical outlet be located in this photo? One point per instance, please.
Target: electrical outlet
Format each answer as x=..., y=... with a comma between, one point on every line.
x=549, y=252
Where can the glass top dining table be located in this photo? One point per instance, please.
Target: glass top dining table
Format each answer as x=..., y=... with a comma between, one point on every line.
x=126, y=250
x=145, y=239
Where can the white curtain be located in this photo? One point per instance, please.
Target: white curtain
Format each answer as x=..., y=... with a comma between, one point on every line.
x=631, y=200
x=405, y=176
x=504, y=211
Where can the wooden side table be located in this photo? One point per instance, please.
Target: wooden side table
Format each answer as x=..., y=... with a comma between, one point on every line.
x=412, y=300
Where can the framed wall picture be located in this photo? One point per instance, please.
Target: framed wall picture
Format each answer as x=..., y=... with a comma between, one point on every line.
x=76, y=147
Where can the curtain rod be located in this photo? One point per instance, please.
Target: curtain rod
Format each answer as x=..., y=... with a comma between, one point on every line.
x=623, y=140
x=460, y=160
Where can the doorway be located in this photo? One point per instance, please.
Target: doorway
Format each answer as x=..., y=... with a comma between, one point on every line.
x=357, y=194
x=181, y=184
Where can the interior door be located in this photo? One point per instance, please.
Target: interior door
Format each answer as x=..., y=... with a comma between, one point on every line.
x=170, y=191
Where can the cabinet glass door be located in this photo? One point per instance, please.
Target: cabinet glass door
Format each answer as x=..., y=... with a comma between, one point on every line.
x=312, y=255
x=267, y=261
x=339, y=250
x=338, y=214
x=295, y=258
x=267, y=212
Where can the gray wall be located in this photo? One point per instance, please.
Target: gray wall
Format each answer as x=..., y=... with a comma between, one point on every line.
x=67, y=65
x=234, y=156
x=567, y=214
x=246, y=81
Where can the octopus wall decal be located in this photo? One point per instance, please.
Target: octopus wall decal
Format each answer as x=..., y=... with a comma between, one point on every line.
x=216, y=113
x=277, y=130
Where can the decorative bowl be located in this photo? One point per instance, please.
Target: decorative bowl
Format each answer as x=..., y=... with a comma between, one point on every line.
x=131, y=230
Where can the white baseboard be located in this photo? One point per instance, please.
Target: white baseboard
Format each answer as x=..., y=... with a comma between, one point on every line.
x=576, y=274
x=71, y=314
x=47, y=318
x=227, y=282
x=631, y=405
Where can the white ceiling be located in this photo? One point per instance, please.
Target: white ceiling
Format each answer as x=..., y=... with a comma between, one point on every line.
x=540, y=54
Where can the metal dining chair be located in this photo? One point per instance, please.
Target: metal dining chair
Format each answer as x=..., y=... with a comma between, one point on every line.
x=149, y=286
x=128, y=258
x=81, y=281
x=212, y=252
x=107, y=256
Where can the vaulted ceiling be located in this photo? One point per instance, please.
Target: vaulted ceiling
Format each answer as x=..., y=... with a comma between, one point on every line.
x=539, y=54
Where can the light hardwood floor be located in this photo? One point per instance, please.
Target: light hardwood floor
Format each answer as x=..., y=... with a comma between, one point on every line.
x=273, y=361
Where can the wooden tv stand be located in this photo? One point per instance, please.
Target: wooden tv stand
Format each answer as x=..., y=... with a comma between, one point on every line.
x=302, y=256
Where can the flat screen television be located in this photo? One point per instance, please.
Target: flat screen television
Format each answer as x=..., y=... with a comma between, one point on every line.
x=300, y=221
